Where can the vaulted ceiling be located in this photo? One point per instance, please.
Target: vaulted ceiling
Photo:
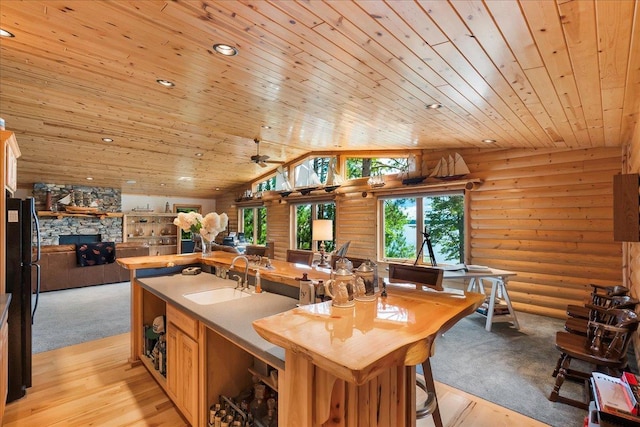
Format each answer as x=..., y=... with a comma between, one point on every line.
x=309, y=76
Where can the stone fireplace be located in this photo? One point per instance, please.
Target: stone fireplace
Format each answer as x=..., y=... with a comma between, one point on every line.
x=109, y=229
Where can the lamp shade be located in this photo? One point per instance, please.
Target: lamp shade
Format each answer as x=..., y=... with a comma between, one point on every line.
x=322, y=229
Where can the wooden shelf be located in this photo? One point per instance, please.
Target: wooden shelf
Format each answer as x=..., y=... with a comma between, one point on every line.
x=60, y=215
x=267, y=380
x=146, y=361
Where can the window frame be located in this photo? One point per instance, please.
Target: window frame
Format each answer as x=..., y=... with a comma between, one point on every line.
x=315, y=244
x=420, y=215
x=256, y=216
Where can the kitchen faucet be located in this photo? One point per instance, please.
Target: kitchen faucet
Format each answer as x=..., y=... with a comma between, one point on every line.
x=242, y=283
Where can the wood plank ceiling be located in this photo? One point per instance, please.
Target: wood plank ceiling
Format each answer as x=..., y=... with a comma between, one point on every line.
x=309, y=76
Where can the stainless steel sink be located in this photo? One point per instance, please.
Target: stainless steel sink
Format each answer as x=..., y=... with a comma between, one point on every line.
x=216, y=296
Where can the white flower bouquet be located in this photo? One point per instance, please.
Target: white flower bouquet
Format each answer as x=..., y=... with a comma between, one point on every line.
x=207, y=227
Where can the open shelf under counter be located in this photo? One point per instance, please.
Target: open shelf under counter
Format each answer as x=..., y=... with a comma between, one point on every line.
x=148, y=363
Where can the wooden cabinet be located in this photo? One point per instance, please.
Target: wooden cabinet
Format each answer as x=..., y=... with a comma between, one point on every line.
x=182, y=363
x=155, y=229
x=626, y=207
x=11, y=154
x=4, y=366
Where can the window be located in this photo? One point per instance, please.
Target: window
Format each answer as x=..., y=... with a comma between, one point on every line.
x=304, y=216
x=266, y=185
x=406, y=219
x=311, y=172
x=361, y=167
x=254, y=225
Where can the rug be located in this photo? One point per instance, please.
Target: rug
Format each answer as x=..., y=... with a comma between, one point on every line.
x=74, y=316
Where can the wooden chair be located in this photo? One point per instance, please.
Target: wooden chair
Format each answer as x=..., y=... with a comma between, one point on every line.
x=354, y=261
x=255, y=250
x=605, y=347
x=578, y=325
x=418, y=275
x=597, y=297
x=299, y=256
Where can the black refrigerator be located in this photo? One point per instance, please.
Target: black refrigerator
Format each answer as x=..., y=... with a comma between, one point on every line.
x=23, y=283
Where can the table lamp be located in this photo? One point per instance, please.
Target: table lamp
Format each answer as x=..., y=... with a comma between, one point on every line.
x=322, y=230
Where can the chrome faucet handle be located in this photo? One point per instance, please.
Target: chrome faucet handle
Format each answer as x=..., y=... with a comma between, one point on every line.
x=238, y=280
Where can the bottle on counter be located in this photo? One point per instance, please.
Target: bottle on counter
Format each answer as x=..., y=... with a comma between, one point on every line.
x=320, y=291
x=258, y=287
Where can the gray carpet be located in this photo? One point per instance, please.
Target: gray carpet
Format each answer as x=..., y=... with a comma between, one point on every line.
x=73, y=316
x=508, y=367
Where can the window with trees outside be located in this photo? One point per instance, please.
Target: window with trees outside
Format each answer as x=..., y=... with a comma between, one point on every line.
x=361, y=167
x=254, y=224
x=304, y=172
x=407, y=218
x=305, y=213
x=266, y=185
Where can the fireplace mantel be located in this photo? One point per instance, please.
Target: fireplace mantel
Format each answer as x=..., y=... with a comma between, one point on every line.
x=60, y=215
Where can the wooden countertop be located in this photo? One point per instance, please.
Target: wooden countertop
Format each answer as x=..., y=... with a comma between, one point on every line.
x=282, y=271
x=358, y=343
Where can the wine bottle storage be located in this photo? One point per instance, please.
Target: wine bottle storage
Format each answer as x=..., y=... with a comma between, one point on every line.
x=256, y=406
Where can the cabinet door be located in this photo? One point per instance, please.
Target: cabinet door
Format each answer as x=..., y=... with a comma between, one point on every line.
x=189, y=376
x=172, y=362
x=11, y=166
x=4, y=366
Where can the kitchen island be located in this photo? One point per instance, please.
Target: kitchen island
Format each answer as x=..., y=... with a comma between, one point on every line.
x=344, y=366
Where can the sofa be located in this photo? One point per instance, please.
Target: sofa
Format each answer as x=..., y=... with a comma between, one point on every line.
x=59, y=268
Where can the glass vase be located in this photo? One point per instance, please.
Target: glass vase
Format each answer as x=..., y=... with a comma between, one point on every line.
x=206, y=246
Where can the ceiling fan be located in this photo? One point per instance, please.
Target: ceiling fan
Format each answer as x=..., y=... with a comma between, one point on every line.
x=262, y=160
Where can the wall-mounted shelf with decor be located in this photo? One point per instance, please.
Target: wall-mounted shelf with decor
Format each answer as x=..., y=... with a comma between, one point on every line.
x=396, y=187
x=60, y=215
x=155, y=229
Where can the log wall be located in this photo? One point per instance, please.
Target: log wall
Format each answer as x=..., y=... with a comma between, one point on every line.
x=632, y=250
x=543, y=213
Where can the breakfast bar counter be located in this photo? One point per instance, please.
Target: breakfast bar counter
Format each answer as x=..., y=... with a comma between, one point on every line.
x=348, y=366
x=356, y=365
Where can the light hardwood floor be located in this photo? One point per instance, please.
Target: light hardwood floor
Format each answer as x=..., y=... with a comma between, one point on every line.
x=93, y=384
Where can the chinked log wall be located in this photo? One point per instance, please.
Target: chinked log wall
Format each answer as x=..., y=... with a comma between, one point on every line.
x=546, y=214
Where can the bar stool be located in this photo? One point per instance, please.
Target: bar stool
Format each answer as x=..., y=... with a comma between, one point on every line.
x=430, y=404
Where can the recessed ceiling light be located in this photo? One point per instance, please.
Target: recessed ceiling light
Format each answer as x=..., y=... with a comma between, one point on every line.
x=165, y=83
x=185, y=178
x=5, y=33
x=434, y=106
x=89, y=178
x=225, y=49
x=217, y=188
x=199, y=154
x=107, y=139
x=488, y=141
x=162, y=184
x=131, y=181
x=265, y=127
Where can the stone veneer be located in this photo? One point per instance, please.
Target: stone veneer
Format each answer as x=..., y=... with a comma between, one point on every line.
x=108, y=200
